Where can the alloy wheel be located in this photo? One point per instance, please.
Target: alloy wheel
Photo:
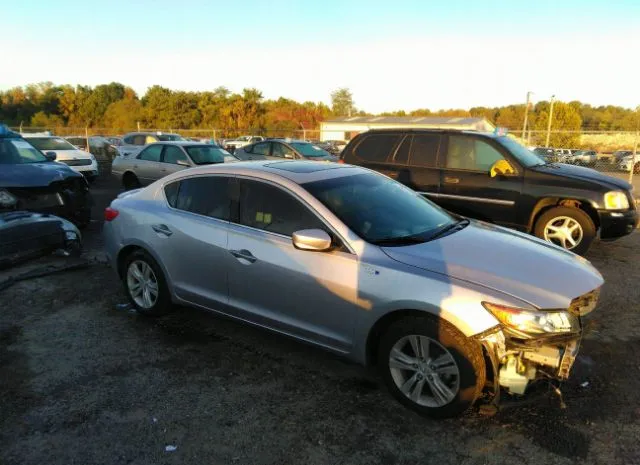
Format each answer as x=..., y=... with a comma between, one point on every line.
x=142, y=284
x=424, y=371
x=563, y=231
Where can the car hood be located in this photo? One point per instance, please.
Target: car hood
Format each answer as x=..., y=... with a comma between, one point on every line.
x=34, y=174
x=70, y=154
x=507, y=261
x=580, y=172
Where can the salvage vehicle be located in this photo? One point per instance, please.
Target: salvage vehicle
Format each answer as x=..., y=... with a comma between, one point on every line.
x=79, y=160
x=31, y=180
x=133, y=142
x=234, y=144
x=282, y=149
x=25, y=235
x=160, y=159
x=358, y=264
x=491, y=177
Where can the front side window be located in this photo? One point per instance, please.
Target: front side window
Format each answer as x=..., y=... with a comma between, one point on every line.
x=151, y=153
x=50, y=143
x=376, y=147
x=17, y=151
x=266, y=207
x=173, y=155
x=202, y=155
x=470, y=153
x=379, y=210
x=281, y=150
x=204, y=195
x=261, y=149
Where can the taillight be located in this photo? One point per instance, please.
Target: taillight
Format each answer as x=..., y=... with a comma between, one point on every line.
x=340, y=160
x=110, y=214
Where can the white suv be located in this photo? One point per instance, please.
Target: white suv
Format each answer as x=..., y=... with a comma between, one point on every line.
x=78, y=160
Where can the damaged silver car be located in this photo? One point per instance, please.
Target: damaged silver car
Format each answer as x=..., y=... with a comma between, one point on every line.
x=445, y=307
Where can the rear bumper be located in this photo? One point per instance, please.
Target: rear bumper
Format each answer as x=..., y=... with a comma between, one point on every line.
x=617, y=224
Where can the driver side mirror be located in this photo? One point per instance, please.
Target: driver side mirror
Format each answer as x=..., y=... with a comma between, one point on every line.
x=289, y=156
x=502, y=168
x=315, y=240
x=183, y=163
x=51, y=156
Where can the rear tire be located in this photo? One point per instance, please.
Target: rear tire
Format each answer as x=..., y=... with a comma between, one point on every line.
x=145, y=284
x=563, y=225
x=130, y=181
x=444, y=380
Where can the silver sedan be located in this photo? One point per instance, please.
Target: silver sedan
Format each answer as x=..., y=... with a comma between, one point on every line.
x=356, y=263
x=163, y=158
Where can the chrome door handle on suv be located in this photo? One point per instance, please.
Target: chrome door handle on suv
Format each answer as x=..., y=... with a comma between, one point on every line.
x=244, y=255
x=450, y=180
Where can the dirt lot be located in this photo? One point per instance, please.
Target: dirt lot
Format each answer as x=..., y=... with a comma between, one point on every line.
x=82, y=381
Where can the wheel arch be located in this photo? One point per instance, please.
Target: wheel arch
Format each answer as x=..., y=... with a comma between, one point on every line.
x=128, y=249
x=547, y=203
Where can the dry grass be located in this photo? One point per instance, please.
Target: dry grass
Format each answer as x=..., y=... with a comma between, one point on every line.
x=608, y=142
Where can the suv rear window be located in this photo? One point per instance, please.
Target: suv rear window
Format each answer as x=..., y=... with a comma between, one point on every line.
x=376, y=147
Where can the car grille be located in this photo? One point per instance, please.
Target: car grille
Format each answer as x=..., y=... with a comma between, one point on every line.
x=585, y=303
x=81, y=162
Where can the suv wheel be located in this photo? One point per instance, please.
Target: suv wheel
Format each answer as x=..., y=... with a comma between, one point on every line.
x=145, y=284
x=430, y=367
x=130, y=181
x=570, y=228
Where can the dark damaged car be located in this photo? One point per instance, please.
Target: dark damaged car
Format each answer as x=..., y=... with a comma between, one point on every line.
x=32, y=181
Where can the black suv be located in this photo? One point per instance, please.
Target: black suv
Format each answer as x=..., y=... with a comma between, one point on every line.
x=493, y=178
x=32, y=180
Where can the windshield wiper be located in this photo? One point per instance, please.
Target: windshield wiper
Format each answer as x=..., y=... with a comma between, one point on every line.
x=404, y=240
x=450, y=228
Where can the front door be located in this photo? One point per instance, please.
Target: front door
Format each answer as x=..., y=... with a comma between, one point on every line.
x=147, y=164
x=466, y=184
x=312, y=295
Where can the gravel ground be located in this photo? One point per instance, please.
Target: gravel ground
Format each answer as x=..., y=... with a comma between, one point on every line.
x=82, y=381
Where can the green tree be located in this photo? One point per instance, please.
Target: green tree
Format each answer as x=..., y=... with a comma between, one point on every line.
x=565, y=125
x=342, y=102
x=124, y=114
x=43, y=120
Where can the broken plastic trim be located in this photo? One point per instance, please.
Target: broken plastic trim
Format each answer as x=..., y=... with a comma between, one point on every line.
x=40, y=272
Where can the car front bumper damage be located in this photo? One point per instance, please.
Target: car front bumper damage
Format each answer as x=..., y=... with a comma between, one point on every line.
x=517, y=361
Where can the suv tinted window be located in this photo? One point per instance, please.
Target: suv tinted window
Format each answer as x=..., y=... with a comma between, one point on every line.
x=469, y=153
x=402, y=154
x=376, y=147
x=204, y=195
x=269, y=208
x=172, y=154
x=151, y=153
x=424, y=150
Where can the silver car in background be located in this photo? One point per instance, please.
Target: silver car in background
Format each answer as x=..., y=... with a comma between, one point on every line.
x=356, y=263
x=275, y=149
x=163, y=158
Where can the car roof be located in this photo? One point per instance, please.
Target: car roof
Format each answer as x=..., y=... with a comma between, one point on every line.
x=297, y=171
x=430, y=130
x=159, y=133
x=189, y=143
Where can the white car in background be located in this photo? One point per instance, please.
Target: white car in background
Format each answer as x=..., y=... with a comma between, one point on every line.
x=629, y=161
x=78, y=160
x=241, y=141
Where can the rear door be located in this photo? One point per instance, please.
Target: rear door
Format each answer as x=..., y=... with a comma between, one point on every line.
x=416, y=162
x=192, y=239
x=466, y=186
x=147, y=164
x=375, y=151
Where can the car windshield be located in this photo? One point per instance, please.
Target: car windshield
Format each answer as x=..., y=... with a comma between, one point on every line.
x=522, y=154
x=51, y=143
x=380, y=210
x=202, y=155
x=169, y=137
x=309, y=150
x=17, y=151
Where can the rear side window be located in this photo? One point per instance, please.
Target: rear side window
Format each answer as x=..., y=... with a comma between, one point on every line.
x=424, y=150
x=402, y=154
x=261, y=149
x=376, y=148
x=204, y=195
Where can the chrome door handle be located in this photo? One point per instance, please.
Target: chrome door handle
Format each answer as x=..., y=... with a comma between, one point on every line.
x=243, y=254
x=450, y=180
x=162, y=229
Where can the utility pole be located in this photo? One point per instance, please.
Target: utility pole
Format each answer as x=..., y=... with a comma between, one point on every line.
x=526, y=115
x=550, y=119
x=138, y=124
x=635, y=145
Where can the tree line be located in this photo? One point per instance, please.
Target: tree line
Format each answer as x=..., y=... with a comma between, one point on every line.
x=118, y=107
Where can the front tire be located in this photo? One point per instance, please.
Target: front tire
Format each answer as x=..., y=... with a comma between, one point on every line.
x=567, y=227
x=130, y=181
x=145, y=285
x=431, y=367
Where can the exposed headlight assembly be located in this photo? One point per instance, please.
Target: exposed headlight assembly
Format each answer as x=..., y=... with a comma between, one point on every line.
x=616, y=200
x=534, y=322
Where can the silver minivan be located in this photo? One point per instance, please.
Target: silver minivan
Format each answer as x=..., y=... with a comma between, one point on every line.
x=356, y=263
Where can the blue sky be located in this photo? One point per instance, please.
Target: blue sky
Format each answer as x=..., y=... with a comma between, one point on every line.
x=392, y=55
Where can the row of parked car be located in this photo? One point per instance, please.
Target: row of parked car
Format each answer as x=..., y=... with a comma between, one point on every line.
x=622, y=159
